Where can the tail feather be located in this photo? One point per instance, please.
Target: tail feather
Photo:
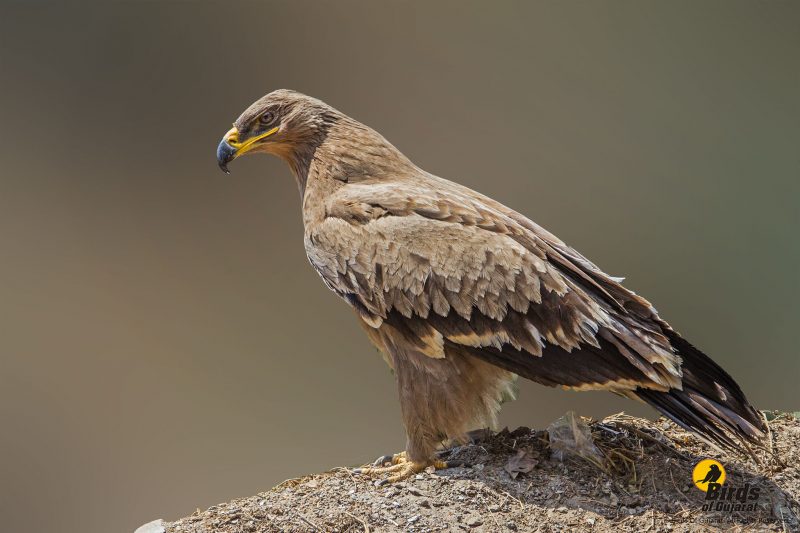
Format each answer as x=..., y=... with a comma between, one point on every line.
x=710, y=404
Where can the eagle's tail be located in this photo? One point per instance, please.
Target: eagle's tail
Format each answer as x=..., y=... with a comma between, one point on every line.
x=711, y=403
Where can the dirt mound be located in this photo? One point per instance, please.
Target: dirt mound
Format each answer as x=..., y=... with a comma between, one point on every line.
x=641, y=481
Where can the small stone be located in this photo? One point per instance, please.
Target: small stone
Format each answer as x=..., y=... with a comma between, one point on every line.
x=156, y=526
x=413, y=519
x=474, y=521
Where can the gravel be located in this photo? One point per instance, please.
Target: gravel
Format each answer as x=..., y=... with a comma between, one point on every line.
x=641, y=482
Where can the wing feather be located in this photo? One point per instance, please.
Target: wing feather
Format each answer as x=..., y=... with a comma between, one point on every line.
x=480, y=278
x=453, y=271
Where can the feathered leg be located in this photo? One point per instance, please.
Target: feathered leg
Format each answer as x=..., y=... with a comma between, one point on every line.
x=441, y=399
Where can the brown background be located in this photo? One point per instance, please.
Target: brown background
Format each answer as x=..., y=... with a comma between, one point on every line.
x=164, y=344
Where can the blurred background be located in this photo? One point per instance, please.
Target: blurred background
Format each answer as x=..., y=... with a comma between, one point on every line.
x=164, y=344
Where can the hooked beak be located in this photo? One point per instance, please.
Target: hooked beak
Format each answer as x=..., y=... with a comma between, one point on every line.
x=231, y=147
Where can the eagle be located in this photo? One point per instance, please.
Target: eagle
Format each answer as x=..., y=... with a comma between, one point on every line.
x=462, y=294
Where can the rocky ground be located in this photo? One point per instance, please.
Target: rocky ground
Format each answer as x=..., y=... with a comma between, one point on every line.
x=639, y=480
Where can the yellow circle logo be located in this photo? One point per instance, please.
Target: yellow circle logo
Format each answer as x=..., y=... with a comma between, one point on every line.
x=706, y=472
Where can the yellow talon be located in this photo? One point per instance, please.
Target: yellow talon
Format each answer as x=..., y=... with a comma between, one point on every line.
x=383, y=469
x=400, y=466
x=394, y=459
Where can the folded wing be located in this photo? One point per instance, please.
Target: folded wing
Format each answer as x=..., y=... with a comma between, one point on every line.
x=457, y=272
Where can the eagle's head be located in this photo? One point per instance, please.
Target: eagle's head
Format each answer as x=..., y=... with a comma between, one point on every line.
x=283, y=123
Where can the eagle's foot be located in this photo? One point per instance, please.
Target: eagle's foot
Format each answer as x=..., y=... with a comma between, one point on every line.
x=394, y=459
x=400, y=469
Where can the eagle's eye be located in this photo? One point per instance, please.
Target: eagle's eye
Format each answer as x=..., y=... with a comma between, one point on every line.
x=267, y=118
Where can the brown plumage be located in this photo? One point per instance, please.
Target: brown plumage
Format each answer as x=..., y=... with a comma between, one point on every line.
x=460, y=293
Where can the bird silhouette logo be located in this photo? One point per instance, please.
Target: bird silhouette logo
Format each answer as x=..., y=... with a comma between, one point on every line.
x=708, y=472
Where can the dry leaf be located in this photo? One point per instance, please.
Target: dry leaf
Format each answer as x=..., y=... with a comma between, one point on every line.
x=523, y=462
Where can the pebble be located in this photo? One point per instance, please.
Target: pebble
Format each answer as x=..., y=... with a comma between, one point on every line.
x=474, y=521
x=156, y=526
